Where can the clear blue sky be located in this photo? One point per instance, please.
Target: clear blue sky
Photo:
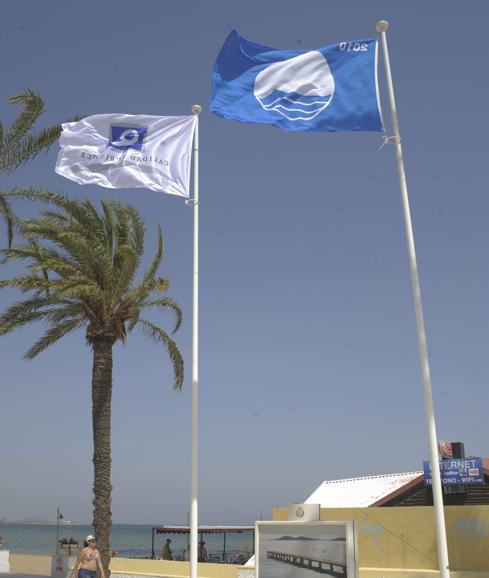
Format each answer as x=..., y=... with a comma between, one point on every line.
x=309, y=364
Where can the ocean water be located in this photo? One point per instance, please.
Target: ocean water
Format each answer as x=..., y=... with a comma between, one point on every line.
x=130, y=540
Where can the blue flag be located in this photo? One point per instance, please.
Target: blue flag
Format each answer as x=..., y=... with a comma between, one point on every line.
x=330, y=89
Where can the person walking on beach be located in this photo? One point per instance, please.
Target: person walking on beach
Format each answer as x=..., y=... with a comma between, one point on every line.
x=202, y=552
x=166, y=553
x=88, y=560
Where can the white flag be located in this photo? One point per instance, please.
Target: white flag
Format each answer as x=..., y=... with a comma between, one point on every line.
x=126, y=150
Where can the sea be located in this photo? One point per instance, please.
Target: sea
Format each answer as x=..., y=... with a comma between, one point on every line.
x=129, y=540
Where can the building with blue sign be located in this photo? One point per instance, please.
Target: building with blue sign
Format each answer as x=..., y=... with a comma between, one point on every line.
x=465, y=482
x=457, y=471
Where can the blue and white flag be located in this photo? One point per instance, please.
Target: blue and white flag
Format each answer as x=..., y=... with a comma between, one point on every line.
x=126, y=150
x=330, y=89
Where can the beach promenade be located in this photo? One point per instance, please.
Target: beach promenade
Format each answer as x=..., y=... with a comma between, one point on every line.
x=22, y=575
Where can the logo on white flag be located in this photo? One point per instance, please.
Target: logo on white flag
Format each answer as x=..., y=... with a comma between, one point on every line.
x=127, y=150
x=298, y=88
x=127, y=137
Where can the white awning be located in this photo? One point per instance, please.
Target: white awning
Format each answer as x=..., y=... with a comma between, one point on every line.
x=359, y=492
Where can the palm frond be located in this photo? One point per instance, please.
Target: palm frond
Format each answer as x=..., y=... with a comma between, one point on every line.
x=35, y=194
x=142, y=292
x=35, y=308
x=125, y=268
x=82, y=213
x=20, y=144
x=8, y=216
x=80, y=245
x=155, y=264
x=108, y=224
x=157, y=335
x=29, y=305
x=135, y=225
x=33, y=106
x=167, y=303
x=8, y=322
x=52, y=335
x=28, y=148
x=133, y=320
x=69, y=311
x=150, y=282
x=25, y=283
x=22, y=251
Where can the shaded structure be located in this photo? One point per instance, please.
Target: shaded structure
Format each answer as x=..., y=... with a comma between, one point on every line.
x=202, y=531
x=417, y=493
x=391, y=490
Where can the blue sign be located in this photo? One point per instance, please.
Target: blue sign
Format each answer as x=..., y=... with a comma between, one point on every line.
x=457, y=471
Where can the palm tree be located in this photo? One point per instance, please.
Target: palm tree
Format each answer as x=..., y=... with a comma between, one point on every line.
x=20, y=144
x=82, y=268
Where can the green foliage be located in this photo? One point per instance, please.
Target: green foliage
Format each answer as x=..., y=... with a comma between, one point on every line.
x=8, y=216
x=82, y=267
x=20, y=144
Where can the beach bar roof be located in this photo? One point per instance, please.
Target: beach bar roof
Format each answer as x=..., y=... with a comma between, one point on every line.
x=362, y=492
x=204, y=529
x=201, y=531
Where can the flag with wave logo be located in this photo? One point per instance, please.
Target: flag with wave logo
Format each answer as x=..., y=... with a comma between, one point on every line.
x=329, y=89
x=127, y=150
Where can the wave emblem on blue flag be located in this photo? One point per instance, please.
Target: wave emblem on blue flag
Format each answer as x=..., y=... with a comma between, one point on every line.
x=333, y=88
x=298, y=88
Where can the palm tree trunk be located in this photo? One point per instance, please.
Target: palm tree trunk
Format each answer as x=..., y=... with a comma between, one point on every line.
x=101, y=421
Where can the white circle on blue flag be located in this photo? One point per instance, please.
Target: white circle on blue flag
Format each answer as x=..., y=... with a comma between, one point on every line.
x=298, y=88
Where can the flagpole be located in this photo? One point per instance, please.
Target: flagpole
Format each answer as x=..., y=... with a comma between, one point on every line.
x=441, y=537
x=194, y=503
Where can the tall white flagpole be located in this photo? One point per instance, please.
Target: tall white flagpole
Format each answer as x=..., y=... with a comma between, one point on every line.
x=194, y=502
x=441, y=536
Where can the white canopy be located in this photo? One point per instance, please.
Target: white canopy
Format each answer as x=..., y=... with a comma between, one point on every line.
x=359, y=492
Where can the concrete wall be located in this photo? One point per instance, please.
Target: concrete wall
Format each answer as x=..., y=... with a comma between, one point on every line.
x=413, y=573
x=30, y=564
x=404, y=538
x=170, y=568
x=39, y=565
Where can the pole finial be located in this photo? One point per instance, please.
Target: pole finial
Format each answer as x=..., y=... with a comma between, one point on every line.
x=196, y=109
x=382, y=25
